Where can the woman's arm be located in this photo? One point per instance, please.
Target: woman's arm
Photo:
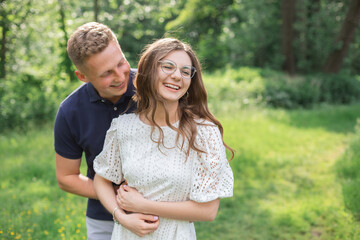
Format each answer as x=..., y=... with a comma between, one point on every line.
x=131, y=200
x=140, y=224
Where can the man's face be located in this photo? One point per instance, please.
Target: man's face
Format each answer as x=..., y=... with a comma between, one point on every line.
x=108, y=71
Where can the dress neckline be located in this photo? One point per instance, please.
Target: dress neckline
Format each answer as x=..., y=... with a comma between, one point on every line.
x=176, y=124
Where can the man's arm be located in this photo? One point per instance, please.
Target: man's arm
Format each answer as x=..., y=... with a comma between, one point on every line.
x=71, y=180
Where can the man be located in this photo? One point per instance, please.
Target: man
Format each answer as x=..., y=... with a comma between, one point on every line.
x=84, y=117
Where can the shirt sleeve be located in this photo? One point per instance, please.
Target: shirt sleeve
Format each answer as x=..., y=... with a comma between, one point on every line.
x=64, y=140
x=212, y=174
x=108, y=163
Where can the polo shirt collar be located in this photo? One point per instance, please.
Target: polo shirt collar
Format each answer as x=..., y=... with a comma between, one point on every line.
x=94, y=96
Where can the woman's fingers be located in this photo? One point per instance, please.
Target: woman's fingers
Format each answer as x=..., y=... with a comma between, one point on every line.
x=150, y=218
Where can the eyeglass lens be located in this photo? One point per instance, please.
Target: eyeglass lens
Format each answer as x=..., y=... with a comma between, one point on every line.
x=170, y=67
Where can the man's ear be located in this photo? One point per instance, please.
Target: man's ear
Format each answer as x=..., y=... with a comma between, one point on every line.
x=81, y=76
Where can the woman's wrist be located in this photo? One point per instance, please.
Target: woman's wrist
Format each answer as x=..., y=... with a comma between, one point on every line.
x=118, y=215
x=145, y=206
x=115, y=210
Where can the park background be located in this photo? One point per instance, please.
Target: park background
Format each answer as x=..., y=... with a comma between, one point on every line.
x=282, y=76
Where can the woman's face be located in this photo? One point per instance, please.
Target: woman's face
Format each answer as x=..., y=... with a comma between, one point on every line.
x=174, y=72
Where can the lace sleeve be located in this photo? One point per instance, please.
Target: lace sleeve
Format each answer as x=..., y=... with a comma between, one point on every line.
x=108, y=163
x=212, y=174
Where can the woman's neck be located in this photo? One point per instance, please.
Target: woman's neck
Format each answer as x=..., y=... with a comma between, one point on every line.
x=160, y=114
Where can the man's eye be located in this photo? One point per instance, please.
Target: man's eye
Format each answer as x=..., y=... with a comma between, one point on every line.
x=106, y=74
x=121, y=62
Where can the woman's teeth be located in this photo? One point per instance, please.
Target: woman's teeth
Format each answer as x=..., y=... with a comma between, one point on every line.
x=172, y=86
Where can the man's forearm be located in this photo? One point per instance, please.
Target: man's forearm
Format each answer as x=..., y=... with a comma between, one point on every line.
x=71, y=180
x=78, y=184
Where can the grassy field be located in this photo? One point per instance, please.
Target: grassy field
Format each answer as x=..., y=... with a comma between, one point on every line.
x=296, y=177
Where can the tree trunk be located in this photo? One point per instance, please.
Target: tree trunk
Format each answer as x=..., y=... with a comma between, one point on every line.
x=310, y=53
x=96, y=10
x=4, y=31
x=335, y=59
x=66, y=62
x=288, y=18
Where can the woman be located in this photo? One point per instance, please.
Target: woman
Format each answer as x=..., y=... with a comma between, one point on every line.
x=170, y=151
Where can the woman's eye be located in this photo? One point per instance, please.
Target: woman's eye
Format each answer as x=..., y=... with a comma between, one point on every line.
x=170, y=67
x=186, y=72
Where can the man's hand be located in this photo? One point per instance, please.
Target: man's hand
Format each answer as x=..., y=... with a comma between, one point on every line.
x=130, y=199
x=140, y=224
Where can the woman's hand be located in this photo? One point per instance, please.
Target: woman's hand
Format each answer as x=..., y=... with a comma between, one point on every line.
x=130, y=199
x=140, y=224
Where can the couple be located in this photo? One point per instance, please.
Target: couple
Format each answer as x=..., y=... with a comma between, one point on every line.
x=169, y=148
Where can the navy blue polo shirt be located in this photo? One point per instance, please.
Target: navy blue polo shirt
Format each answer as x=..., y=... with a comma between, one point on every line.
x=80, y=126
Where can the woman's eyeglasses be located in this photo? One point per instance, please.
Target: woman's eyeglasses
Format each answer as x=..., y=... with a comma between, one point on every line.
x=169, y=67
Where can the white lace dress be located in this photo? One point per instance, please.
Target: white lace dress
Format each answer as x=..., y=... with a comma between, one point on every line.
x=164, y=175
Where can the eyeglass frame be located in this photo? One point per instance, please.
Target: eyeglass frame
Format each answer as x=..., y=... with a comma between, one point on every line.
x=192, y=68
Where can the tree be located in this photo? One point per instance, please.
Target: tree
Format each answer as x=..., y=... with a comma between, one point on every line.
x=346, y=34
x=96, y=10
x=4, y=30
x=308, y=29
x=18, y=11
x=313, y=9
x=65, y=61
x=201, y=22
x=288, y=18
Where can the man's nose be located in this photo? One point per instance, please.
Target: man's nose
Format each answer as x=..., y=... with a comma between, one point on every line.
x=119, y=73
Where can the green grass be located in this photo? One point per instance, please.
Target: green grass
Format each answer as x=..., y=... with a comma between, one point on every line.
x=286, y=184
x=295, y=178
x=32, y=206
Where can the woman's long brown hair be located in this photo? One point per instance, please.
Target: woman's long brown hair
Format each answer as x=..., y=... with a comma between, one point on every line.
x=192, y=106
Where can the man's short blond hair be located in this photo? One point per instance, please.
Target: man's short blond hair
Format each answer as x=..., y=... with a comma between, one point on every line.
x=87, y=40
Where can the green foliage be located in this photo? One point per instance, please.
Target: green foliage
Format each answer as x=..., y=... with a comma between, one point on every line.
x=24, y=101
x=234, y=88
x=137, y=23
x=30, y=100
x=223, y=33
x=255, y=86
x=306, y=91
x=200, y=22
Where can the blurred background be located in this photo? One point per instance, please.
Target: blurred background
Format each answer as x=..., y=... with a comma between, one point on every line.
x=283, y=76
x=308, y=38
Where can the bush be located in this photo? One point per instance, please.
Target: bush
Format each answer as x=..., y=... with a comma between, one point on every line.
x=340, y=88
x=253, y=86
x=24, y=100
x=290, y=92
x=234, y=88
x=306, y=91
